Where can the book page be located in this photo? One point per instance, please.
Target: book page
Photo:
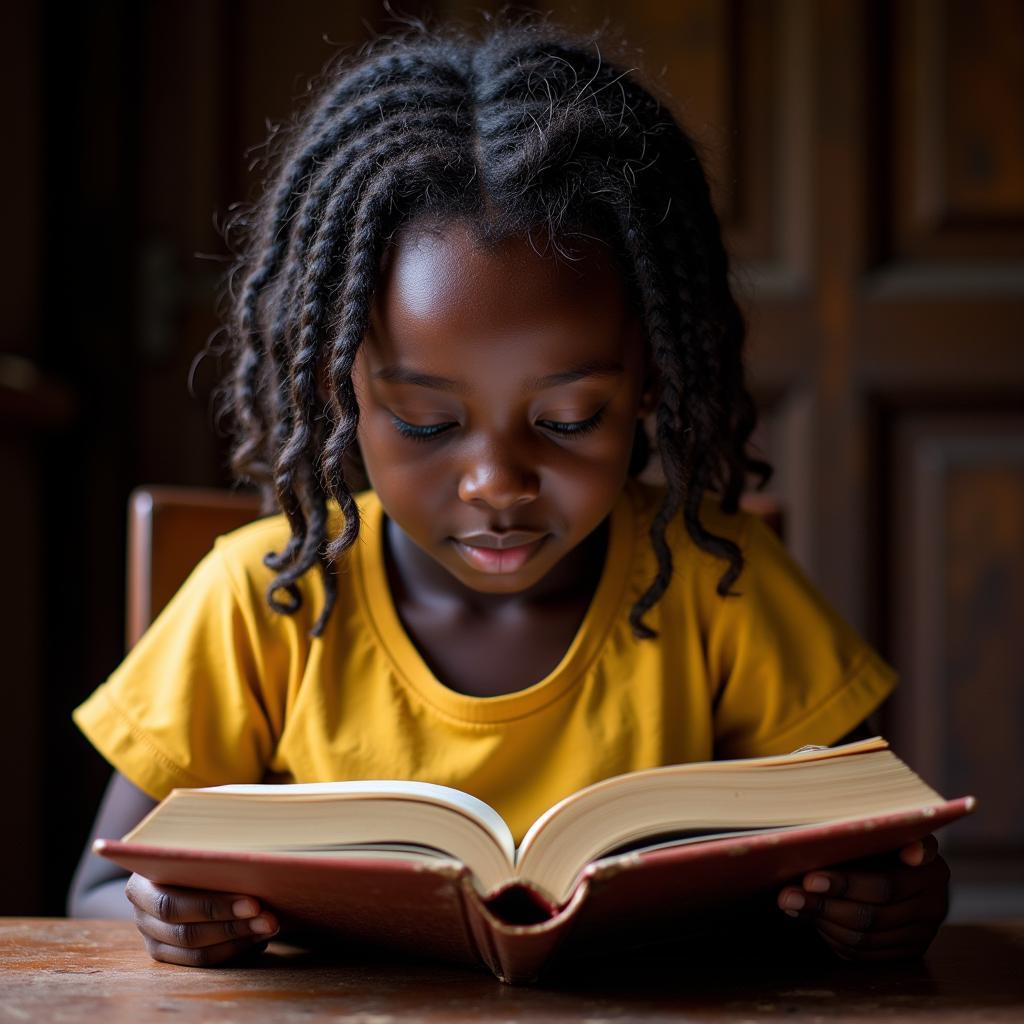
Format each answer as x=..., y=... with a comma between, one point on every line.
x=808, y=787
x=808, y=752
x=417, y=792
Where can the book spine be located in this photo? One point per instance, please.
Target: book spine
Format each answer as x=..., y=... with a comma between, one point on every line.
x=517, y=953
x=479, y=928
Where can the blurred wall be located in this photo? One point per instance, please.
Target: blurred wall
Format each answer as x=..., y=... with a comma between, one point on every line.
x=867, y=161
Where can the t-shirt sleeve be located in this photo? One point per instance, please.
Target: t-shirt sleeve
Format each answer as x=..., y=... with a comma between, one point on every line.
x=788, y=669
x=185, y=707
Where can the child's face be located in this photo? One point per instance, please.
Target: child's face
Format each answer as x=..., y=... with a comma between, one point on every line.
x=523, y=377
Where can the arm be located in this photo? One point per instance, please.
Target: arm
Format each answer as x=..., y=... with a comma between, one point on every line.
x=181, y=926
x=876, y=909
x=97, y=889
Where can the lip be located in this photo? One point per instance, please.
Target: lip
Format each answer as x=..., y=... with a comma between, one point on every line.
x=500, y=541
x=483, y=553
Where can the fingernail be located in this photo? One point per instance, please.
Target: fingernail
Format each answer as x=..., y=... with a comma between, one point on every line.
x=817, y=883
x=793, y=901
x=913, y=855
x=244, y=908
x=261, y=926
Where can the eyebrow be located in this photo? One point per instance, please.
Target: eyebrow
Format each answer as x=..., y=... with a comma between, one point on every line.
x=402, y=375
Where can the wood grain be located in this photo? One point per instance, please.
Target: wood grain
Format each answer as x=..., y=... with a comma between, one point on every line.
x=56, y=969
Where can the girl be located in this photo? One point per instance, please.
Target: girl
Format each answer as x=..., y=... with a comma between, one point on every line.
x=479, y=267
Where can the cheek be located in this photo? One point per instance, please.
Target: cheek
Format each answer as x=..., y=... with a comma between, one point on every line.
x=588, y=476
x=410, y=497
x=385, y=454
x=612, y=445
x=409, y=481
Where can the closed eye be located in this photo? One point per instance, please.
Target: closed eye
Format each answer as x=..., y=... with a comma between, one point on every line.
x=576, y=429
x=420, y=433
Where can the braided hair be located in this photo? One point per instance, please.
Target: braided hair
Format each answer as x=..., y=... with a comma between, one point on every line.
x=524, y=129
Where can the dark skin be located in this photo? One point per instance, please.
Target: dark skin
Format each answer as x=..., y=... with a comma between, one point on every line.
x=528, y=375
x=523, y=376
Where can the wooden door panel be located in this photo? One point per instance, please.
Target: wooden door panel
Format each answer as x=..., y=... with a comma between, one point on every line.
x=957, y=574
x=957, y=134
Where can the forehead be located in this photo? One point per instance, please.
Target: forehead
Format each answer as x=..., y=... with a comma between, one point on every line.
x=443, y=291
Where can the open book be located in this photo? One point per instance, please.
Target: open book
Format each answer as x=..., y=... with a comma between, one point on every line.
x=832, y=803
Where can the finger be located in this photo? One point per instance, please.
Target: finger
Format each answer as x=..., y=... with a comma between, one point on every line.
x=888, y=886
x=205, y=956
x=911, y=940
x=200, y=934
x=872, y=917
x=924, y=851
x=175, y=904
x=929, y=907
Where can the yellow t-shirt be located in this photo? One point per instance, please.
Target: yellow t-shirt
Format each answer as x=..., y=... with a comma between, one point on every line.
x=222, y=689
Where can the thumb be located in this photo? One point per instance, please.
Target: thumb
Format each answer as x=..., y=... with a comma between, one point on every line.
x=921, y=852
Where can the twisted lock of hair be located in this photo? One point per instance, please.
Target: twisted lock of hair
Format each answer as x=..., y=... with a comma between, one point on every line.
x=331, y=122
x=369, y=229
x=318, y=235
x=330, y=209
x=525, y=128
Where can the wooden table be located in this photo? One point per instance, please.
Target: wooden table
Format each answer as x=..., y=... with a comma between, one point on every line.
x=54, y=969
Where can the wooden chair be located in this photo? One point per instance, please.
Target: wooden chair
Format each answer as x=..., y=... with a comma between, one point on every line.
x=169, y=530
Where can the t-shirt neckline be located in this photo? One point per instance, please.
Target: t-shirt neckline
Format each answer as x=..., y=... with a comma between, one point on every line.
x=379, y=612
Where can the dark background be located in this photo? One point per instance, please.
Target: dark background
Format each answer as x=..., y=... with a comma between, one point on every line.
x=868, y=164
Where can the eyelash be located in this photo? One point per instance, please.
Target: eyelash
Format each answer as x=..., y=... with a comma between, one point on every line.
x=571, y=430
x=419, y=433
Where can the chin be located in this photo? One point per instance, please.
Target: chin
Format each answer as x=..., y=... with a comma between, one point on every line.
x=513, y=583
x=507, y=583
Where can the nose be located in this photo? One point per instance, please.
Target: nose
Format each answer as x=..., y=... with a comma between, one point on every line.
x=498, y=479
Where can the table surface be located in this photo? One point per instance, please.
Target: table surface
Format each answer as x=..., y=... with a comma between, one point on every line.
x=73, y=970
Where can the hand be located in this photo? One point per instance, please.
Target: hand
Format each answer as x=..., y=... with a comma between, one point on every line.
x=864, y=911
x=197, y=928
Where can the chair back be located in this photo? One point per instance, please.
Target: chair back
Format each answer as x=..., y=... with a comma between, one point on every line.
x=170, y=529
x=766, y=507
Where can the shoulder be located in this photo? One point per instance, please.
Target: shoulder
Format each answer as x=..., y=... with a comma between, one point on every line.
x=647, y=500
x=239, y=557
x=251, y=542
x=697, y=571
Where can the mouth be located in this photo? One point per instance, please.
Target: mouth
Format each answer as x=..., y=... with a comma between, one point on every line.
x=496, y=554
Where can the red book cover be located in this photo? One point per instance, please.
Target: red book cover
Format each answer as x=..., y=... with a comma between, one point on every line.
x=416, y=906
